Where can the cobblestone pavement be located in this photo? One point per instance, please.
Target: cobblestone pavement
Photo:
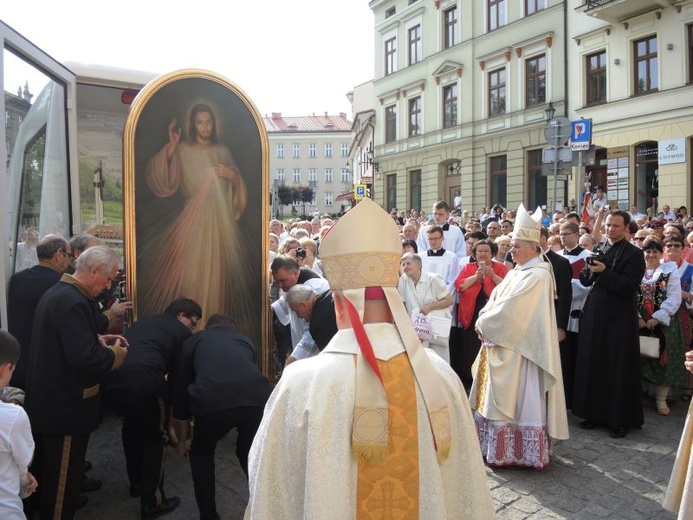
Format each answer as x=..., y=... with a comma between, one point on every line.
x=591, y=476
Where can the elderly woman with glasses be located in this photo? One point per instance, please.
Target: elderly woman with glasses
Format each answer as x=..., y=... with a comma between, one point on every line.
x=674, y=247
x=639, y=237
x=659, y=301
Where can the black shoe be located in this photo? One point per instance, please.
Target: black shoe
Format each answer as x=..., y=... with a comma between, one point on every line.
x=87, y=465
x=618, y=432
x=135, y=491
x=588, y=425
x=90, y=484
x=169, y=504
x=81, y=502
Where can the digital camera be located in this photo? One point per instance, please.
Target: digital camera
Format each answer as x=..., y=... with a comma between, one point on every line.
x=300, y=252
x=597, y=256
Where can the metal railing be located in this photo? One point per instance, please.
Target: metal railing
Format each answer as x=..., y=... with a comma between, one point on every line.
x=593, y=4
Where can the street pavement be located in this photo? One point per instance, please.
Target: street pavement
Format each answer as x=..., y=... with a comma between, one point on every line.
x=591, y=476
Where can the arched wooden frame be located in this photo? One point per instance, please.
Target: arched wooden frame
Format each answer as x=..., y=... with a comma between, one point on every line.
x=241, y=129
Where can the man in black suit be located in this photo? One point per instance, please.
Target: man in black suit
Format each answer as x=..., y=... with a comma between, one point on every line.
x=563, y=275
x=24, y=292
x=220, y=386
x=139, y=392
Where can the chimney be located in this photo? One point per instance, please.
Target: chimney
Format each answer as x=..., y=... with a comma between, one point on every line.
x=276, y=115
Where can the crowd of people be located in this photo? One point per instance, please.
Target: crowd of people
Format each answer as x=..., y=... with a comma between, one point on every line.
x=445, y=342
x=544, y=312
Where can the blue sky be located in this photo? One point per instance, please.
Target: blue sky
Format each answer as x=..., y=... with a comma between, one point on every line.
x=296, y=57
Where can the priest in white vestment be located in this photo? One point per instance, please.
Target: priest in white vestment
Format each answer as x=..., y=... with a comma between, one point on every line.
x=679, y=495
x=517, y=394
x=375, y=426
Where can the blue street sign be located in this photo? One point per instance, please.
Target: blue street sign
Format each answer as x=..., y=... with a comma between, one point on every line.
x=581, y=131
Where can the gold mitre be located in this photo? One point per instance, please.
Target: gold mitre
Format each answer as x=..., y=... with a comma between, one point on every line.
x=354, y=256
x=527, y=227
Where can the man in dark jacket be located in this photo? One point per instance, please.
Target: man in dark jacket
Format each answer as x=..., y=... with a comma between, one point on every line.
x=139, y=392
x=68, y=362
x=220, y=386
x=24, y=292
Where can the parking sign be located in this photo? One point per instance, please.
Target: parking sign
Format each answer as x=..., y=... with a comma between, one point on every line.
x=581, y=134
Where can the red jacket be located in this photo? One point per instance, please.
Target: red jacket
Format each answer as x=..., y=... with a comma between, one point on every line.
x=465, y=310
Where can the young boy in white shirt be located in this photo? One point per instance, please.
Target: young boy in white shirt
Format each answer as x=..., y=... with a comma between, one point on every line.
x=16, y=441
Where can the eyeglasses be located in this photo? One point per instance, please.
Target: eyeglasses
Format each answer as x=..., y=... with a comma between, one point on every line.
x=638, y=238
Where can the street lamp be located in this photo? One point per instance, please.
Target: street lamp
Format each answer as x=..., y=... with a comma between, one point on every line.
x=550, y=111
x=556, y=132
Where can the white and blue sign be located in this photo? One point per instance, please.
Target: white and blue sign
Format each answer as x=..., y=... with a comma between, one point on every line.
x=581, y=134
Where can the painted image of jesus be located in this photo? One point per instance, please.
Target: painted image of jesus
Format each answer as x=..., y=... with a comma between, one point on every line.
x=198, y=253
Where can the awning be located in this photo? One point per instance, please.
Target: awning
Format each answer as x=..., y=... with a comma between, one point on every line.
x=349, y=195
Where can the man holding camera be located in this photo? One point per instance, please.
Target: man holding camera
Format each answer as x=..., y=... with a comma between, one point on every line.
x=607, y=387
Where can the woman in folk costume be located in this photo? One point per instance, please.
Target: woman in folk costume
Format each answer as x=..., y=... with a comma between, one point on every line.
x=679, y=495
x=375, y=425
x=517, y=394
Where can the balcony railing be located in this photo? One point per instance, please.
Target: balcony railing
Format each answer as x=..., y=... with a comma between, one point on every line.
x=312, y=184
x=616, y=11
x=593, y=4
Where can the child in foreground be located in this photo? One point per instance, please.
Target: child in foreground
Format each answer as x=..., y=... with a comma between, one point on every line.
x=16, y=441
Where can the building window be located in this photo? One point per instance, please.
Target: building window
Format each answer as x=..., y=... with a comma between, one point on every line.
x=312, y=176
x=499, y=180
x=415, y=189
x=391, y=191
x=645, y=53
x=280, y=174
x=646, y=172
x=596, y=78
x=496, y=14
x=312, y=150
x=345, y=149
x=496, y=92
x=450, y=27
x=345, y=175
x=415, y=45
x=390, y=124
x=328, y=150
x=280, y=151
x=297, y=175
x=532, y=6
x=537, y=182
x=390, y=56
x=328, y=175
x=450, y=105
x=415, y=116
x=328, y=198
x=297, y=151
x=390, y=12
x=535, y=78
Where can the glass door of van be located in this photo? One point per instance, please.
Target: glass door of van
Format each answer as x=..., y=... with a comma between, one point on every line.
x=37, y=154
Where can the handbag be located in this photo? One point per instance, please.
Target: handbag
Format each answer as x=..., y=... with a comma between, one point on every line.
x=422, y=325
x=649, y=347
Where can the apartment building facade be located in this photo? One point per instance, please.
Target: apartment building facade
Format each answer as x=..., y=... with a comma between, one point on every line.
x=461, y=88
x=631, y=64
x=311, y=151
